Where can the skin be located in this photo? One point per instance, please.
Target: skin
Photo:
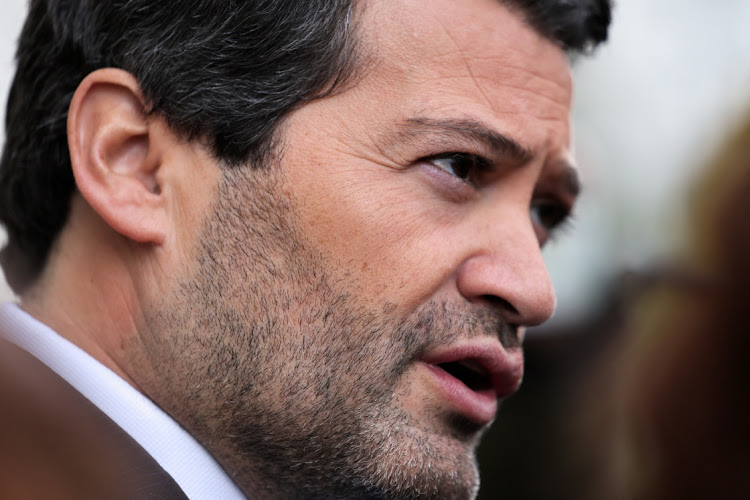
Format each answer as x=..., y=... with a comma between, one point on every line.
x=281, y=314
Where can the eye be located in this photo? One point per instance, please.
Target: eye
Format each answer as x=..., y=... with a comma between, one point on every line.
x=549, y=218
x=464, y=166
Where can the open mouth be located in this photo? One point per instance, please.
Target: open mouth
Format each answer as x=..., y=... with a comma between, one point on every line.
x=472, y=374
x=470, y=378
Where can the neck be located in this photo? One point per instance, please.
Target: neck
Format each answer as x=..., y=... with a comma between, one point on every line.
x=85, y=292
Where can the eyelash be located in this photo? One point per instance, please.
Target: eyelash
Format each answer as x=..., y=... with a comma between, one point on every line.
x=472, y=164
x=551, y=217
x=558, y=221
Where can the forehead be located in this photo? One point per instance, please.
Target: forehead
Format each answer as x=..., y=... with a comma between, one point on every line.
x=473, y=57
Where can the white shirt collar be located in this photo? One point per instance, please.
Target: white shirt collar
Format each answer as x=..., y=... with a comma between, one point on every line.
x=176, y=451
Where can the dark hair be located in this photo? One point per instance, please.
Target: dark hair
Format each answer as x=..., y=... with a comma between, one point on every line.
x=221, y=71
x=575, y=25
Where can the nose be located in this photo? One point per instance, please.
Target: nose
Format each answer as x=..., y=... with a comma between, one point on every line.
x=509, y=273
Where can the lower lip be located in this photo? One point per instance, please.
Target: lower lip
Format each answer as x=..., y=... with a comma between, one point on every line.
x=477, y=406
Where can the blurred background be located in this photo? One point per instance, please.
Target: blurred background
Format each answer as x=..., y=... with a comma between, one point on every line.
x=653, y=106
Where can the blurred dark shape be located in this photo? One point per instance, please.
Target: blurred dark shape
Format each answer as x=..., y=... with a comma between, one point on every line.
x=55, y=444
x=648, y=400
x=687, y=412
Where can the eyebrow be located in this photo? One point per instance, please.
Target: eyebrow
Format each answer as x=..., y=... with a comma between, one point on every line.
x=566, y=178
x=571, y=180
x=498, y=144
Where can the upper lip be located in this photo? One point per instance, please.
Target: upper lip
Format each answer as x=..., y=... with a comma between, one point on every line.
x=504, y=368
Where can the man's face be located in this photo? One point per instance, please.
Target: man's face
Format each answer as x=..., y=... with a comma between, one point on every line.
x=353, y=310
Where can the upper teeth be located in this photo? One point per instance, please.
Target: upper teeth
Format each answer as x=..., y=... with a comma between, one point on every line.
x=473, y=366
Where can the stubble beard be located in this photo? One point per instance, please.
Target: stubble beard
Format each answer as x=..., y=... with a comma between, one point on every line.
x=265, y=356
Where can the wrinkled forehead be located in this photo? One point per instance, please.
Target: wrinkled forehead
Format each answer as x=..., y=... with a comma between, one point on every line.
x=485, y=39
x=473, y=59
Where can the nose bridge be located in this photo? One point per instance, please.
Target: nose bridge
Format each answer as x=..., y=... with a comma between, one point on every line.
x=507, y=264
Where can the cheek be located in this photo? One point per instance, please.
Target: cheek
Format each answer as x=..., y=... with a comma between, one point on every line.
x=377, y=234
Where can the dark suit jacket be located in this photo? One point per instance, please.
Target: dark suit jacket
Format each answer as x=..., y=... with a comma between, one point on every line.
x=55, y=444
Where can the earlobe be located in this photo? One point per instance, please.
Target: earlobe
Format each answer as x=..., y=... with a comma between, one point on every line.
x=115, y=157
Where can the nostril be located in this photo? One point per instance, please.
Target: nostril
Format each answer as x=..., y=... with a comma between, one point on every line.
x=500, y=303
x=508, y=330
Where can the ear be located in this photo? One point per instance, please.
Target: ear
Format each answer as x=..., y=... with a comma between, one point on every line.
x=116, y=156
